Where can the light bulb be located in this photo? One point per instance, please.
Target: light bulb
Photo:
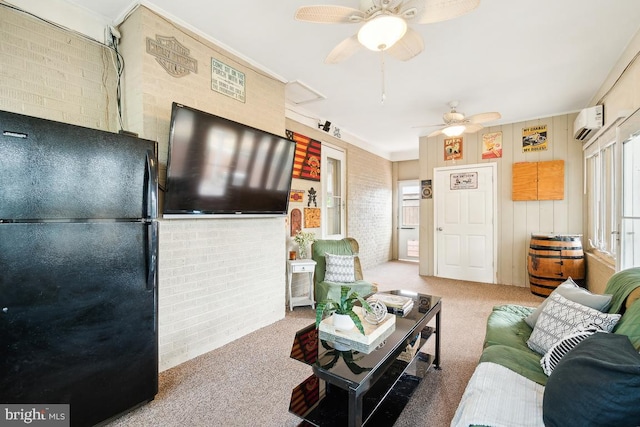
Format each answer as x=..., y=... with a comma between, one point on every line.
x=455, y=130
x=382, y=32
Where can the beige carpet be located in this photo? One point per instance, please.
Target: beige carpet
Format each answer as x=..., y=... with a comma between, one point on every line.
x=248, y=382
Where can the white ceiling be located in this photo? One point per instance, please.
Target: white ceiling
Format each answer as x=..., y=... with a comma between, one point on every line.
x=526, y=59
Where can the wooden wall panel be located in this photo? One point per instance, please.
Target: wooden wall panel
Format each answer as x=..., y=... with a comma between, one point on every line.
x=525, y=181
x=551, y=180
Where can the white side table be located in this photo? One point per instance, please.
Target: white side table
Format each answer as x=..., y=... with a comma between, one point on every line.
x=301, y=266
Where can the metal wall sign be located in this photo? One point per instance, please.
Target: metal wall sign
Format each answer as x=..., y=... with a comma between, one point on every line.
x=227, y=80
x=464, y=181
x=172, y=56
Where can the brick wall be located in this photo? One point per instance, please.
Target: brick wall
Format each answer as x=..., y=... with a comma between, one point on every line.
x=54, y=74
x=219, y=278
x=369, y=205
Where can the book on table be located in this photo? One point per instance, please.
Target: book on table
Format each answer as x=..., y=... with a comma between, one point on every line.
x=396, y=304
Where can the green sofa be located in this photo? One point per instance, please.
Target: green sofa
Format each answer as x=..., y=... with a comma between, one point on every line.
x=331, y=290
x=508, y=385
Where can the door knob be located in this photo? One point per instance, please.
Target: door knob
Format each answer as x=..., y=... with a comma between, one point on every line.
x=439, y=228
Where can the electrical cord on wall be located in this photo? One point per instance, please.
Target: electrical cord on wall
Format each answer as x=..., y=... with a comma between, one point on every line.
x=118, y=61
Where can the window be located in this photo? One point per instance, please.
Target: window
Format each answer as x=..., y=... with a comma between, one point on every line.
x=629, y=134
x=333, y=174
x=601, y=197
x=612, y=187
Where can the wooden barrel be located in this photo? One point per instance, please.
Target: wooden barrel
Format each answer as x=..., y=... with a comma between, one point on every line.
x=553, y=258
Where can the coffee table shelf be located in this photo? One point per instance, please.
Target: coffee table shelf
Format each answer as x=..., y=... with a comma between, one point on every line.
x=355, y=389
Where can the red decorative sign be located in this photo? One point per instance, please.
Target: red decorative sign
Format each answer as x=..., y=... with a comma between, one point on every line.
x=307, y=161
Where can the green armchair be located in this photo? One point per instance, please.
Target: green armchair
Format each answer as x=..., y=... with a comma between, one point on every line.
x=325, y=289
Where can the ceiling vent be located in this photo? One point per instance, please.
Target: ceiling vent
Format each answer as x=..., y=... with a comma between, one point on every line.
x=588, y=120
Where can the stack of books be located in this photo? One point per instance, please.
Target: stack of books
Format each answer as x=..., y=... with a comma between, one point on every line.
x=396, y=304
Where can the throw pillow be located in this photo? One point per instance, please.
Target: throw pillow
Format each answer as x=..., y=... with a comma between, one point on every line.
x=340, y=268
x=595, y=384
x=561, y=317
x=571, y=291
x=557, y=351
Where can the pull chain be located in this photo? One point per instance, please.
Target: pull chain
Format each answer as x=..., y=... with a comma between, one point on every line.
x=382, y=72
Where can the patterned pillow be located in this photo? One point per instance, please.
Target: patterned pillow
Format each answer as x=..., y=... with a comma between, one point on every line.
x=561, y=317
x=571, y=291
x=340, y=268
x=557, y=351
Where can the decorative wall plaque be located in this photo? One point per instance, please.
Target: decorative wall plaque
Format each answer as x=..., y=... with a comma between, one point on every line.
x=172, y=56
x=453, y=148
x=307, y=158
x=534, y=139
x=311, y=217
x=464, y=181
x=492, y=145
x=227, y=80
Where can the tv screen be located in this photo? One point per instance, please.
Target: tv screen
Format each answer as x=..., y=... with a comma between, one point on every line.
x=220, y=167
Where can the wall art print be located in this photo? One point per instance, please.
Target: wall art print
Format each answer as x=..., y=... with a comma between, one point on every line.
x=307, y=159
x=492, y=145
x=296, y=195
x=534, y=139
x=453, y=148
x=311, y=217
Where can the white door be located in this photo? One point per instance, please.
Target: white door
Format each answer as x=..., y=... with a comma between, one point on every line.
x=333, y=174
x=464, y=216
x=408, y=220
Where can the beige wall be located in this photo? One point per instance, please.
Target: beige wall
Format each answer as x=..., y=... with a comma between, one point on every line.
x=515, y=221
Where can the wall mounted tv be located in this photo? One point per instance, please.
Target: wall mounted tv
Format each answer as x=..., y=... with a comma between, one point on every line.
x=218, y=167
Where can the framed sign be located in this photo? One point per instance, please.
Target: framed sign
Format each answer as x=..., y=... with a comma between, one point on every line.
x=464, y=181
x=534, y=139
x=453, y=148
x=227, y=80
x=492, y=145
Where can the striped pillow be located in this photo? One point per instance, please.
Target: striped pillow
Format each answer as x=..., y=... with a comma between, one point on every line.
x=557, y=351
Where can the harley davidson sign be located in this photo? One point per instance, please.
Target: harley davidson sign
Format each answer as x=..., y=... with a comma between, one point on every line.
x=172, y=56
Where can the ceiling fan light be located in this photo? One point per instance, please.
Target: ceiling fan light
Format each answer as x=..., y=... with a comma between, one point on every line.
x=382, y=32
x=455, y=130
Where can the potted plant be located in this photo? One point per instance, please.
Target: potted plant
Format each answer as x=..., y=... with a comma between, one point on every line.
x=343, y=310
x=304, y=239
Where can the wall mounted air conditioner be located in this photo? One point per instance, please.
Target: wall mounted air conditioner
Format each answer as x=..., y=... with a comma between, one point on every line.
x=588, y=120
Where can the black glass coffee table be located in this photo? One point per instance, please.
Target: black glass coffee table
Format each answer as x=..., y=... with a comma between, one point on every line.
x=355, y=388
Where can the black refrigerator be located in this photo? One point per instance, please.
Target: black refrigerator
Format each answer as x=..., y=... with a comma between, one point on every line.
x=78, y=268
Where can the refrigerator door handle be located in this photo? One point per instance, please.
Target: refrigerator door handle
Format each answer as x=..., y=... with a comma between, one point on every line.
x=152, y=255
x=151, y=183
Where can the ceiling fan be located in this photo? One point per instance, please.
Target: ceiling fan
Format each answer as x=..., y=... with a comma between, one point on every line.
x=456, y=123
x=384, y=24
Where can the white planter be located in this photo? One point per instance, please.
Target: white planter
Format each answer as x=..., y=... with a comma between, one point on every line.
x=343, y=322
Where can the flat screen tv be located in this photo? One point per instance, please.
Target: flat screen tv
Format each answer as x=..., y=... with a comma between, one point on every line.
x=218, y=167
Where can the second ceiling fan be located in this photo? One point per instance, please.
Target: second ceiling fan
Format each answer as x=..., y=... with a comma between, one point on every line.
x=455, y=123
x=384, y=24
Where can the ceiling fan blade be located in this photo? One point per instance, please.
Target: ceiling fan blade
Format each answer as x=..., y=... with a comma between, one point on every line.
x=484, y=117
x=343, y=50
x=443, y=10
x=329, y=14
x=473, y=127
x=427, y=126
x=410, y=45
